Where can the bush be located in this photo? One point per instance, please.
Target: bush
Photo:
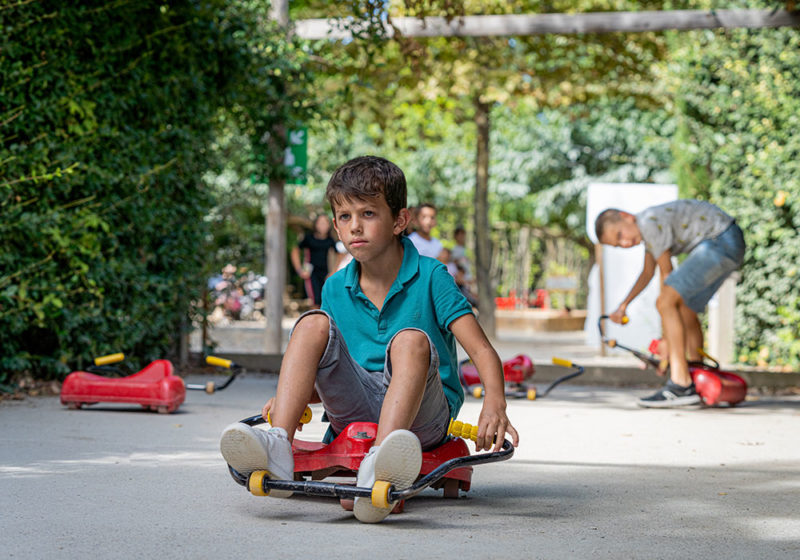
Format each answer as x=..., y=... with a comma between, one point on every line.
x=740, y=105
x=108, y=113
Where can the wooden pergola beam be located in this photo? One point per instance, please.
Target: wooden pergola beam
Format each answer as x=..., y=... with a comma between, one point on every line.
x=540, y=24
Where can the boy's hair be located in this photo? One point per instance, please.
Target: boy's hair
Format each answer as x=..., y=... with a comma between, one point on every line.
x=427, y=205
x=368, y=177
x=606, y=217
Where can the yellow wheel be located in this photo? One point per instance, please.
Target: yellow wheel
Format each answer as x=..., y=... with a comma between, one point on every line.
x=477, y=392
x=380, y=494
x=256, y=483
x=531, y=394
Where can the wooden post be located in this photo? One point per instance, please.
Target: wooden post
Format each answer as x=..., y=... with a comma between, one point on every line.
x=564, y=24
x=275, y=227
x=598, y=259
x=483, y=243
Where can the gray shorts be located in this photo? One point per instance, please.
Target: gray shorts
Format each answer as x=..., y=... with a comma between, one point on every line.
x=708, y=265
x=350, y=393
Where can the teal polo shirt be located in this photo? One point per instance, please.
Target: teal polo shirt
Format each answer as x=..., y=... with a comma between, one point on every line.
x=423, y=296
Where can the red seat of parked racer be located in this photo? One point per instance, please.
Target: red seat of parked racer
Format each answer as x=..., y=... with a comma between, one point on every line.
x=153, y=387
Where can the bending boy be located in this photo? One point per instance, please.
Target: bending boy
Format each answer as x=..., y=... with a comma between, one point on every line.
x=381, y=349
x=715, y=247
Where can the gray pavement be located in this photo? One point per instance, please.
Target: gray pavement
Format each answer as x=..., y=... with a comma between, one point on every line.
x=593, y=477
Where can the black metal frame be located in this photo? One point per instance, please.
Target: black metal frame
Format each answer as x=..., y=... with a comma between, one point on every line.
x=236, y=369
x=578, y=371
x=346, y=491
x=647, y=359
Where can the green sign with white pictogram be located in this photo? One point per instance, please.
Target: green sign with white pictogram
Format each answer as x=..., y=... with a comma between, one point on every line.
x=296, y=158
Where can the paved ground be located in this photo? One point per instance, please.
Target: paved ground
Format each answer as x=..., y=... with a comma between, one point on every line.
x=594, y=477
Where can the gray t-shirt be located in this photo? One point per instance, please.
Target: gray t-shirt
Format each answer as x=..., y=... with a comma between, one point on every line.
x=680, y=225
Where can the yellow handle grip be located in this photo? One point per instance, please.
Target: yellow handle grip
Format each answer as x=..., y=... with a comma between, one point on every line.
x=562, y=362
x=706, y=355
x=625, y=319
x=304, y=419
x=462, y=430
x=221, y=362
x=109, y=359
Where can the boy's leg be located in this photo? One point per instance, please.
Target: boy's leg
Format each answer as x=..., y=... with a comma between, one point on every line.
x=669, y=303
x=299, y=371
x=248, y=449
x=693, y=333
x=410, y=356
x=414, y=399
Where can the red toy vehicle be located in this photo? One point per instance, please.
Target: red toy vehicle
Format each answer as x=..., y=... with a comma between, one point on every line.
x=448, y=466
x=516, y=372
x=713, y=385
x=155, y=387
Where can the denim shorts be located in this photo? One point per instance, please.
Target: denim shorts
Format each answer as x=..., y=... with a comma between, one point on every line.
x=708, y=265
x=350, y=393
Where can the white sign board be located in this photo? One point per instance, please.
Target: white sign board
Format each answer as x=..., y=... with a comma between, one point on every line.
x=621, y=267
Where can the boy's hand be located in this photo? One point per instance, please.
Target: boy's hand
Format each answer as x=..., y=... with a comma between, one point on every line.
x=618, y=315
x=493, y=425
x=268, y=407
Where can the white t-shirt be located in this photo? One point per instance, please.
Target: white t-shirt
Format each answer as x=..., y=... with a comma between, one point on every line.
x=426, y=247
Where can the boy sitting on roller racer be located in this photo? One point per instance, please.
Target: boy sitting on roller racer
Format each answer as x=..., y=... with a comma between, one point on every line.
x=381, y=349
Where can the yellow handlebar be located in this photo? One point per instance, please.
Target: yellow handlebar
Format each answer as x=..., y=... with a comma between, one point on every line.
x=304, y=419
x=562, y=362
x=462, y=430
x=109, y=359
x=706, y=355
x=625, y=319
x=221, y=362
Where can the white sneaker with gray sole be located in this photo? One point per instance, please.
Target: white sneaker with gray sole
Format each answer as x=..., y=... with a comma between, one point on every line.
x=249, y=449
x=398, y=461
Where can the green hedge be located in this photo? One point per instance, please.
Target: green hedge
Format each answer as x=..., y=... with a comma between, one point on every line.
x=107, y=114
x=738, y=146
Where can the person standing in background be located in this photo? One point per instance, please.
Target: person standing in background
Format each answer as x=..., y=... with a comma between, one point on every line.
x=426, y=244
x=316, y=246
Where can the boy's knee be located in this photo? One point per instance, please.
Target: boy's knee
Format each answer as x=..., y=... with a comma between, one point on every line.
x=411, y=342
x=312, y=324
x=669, y=298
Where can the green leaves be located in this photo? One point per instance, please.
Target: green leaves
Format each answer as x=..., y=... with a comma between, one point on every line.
x=108, y=111
x=740, y=96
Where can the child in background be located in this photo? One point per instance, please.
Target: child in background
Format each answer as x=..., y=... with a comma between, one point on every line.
x=715, y=247
x=422, y=238
x=317, y=245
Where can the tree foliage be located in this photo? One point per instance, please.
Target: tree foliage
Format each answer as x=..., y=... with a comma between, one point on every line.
x=108, y=113
x=739, y=100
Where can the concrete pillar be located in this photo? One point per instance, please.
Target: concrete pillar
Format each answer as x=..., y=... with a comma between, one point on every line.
x=720, y=321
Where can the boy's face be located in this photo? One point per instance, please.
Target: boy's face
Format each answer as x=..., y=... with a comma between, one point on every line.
x=623, y=233
x=426, y=220
x=367, y=227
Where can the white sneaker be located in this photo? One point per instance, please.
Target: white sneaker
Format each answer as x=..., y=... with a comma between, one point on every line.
x=398, y=461
x=249, y=449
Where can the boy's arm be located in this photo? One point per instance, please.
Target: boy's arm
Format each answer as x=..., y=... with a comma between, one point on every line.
x=641, y=283
x=665, y=265
x=294, y=256
x=492, y=422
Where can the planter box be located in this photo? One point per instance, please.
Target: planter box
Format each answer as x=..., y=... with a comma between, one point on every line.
x=539, y=320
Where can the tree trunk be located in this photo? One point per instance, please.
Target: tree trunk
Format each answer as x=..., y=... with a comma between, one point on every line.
x=483, y=244
x=275, y=226
x=276, y=266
